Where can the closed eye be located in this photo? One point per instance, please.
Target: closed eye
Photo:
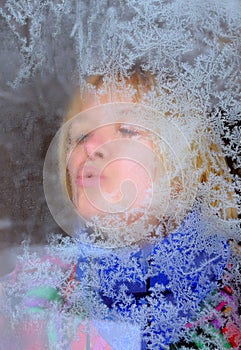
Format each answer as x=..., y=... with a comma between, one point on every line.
x=128, y=131
x=82, y=138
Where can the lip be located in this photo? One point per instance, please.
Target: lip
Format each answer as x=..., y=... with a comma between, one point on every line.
x=88, y=176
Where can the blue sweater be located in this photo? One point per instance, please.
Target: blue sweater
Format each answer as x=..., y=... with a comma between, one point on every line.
x=159, y=286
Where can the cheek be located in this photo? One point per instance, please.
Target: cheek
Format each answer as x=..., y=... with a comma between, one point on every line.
x=138, y=174
x=71, y=175
x=73, y=163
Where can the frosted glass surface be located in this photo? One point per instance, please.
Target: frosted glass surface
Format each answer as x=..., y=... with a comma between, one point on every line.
x=138, y=245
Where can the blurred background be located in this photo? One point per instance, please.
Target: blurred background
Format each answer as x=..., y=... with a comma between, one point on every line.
x=31, y=112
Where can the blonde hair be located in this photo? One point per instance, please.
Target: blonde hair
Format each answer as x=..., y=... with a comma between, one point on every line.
x=141, y=83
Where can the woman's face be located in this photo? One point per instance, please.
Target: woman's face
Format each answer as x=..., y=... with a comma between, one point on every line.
x=111, y=164
x=128, y=168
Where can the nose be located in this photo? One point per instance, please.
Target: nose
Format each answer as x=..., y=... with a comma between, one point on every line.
x=96, y=144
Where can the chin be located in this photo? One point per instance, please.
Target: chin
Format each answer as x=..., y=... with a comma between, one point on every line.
x=88, y=211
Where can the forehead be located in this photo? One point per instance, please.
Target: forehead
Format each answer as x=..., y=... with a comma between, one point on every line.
x=107, y=94
x=111, y=113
